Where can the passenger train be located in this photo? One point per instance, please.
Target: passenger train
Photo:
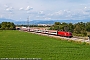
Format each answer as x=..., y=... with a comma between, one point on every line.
x=50, y=32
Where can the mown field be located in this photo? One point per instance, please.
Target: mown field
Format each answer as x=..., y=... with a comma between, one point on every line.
x=18, y=44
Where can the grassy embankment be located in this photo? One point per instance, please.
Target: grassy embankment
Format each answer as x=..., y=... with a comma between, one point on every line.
x=17, y=44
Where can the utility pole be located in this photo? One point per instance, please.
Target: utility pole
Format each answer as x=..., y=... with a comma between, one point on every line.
x=28, y=24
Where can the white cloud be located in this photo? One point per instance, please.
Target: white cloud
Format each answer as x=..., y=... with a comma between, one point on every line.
x=21, y=8
x=85, y=7
x=6, y=6
x=70, y=14
x=63, y=14
x=40, y=12
x=1, y=16
x=44, y=9
x=48, y=18
x=29, y=8
x=10, y=9
x=59, y=13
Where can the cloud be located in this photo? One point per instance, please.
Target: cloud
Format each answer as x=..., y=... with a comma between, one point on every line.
x=46, y=9
x=40, y=12
x=10, y=9
x=47, y=18
x=59, y=13
x=29, y=8
x=6, y=6
x=55, y=15
x=70, y=14
x=21, y=8
x=77, y=1
x=1, y=16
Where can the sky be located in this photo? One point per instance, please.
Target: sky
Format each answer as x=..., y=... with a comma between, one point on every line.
x=20, y=10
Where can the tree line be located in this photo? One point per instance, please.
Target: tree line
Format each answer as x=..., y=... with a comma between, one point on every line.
x=7, y=26
x=79, y=29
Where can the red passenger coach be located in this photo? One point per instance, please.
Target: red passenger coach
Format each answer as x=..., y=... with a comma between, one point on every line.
x=65, y=34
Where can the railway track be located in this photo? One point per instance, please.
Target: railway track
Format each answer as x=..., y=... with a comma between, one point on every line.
x=77, y=39
x=74, y=38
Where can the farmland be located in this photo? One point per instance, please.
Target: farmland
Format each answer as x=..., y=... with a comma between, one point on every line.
x=18, y=44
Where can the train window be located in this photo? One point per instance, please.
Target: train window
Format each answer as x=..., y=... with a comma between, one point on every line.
x=54, y=32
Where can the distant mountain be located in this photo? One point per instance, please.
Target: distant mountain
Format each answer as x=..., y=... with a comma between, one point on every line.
x=6, y=20
x=53, y=21
x=35, y=22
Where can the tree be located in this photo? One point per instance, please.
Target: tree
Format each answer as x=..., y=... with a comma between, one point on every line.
x=57, y=23
x=88, y=26
x=77, y=29
x=56, y=26
x=80, y=28
x=0, y=25
x=3, y=25
x=71, y=27
x=64, y=26
x=12, y=26
x=7, y=26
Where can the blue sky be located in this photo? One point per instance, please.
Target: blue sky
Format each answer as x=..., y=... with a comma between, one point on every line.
x=45, y=9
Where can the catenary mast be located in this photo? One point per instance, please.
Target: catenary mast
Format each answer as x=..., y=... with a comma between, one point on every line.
x=28, y=24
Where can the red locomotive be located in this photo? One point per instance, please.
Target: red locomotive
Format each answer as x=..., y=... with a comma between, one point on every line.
x=65, y=34
x=60, y=33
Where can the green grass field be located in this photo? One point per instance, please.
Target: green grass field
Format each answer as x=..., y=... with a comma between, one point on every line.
x=18, y=44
